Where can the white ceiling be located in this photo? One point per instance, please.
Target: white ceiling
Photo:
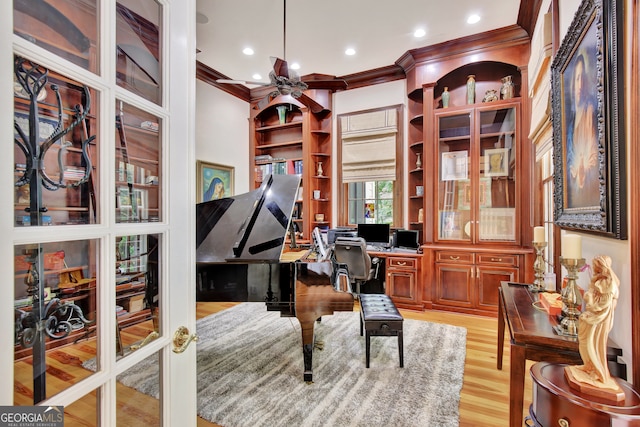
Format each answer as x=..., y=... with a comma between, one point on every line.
x=319, y=31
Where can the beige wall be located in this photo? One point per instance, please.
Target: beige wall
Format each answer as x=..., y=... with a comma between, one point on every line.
x=618, y=250
x=222, y=132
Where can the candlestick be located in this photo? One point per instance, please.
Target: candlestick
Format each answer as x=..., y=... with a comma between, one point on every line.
x=538, y=267
x=538, y=235
x=571, y=298
x=571, y=246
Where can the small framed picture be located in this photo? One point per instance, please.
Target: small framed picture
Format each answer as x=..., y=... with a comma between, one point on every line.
x=496, y=162
x=454, y=165
x=214, y=181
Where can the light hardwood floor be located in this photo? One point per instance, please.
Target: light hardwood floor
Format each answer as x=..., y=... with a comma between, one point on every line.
x=484, y=400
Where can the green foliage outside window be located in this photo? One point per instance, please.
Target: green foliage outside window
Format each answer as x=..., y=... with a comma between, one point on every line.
x=371, y=202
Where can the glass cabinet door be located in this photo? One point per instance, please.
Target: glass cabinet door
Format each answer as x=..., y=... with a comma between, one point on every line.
x=477, y=158
x=497, y=180
x=454, y=179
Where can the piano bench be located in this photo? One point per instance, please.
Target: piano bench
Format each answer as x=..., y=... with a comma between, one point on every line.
x=380, y=317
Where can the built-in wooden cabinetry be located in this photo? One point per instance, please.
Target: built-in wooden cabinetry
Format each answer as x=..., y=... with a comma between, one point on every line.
x=299, y=143
x=403, y=280
x=476, y=225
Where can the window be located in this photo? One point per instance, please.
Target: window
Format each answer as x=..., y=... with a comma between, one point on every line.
x=371, y=172
x=370, y=202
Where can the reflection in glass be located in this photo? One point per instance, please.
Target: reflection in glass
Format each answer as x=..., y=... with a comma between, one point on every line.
x=55, y=309
x=454, y=184
x=138, y=174
x=497, y=201
x=138, y=66
x=68, y=28
x=55, y=148
x=137, y=295
x=137, y=394
x=83, y=412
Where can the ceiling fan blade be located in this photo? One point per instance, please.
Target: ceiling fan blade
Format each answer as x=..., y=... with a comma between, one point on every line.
x=241, y=82
x=280, y=67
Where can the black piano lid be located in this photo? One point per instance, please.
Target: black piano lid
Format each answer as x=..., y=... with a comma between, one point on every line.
x=249, y=227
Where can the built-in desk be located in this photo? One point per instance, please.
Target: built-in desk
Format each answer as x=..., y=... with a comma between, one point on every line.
x=532, y=337
x=403, y=270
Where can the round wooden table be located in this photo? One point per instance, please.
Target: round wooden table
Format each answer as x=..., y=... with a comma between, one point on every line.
x=555, y=403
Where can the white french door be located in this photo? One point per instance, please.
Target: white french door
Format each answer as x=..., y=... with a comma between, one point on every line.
x=118, y=246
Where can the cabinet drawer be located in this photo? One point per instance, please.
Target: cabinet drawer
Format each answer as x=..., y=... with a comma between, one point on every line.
x=407, y=263
x=450, y=256
x=498, y=259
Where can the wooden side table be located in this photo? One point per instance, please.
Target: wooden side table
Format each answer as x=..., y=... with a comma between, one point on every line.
x=555, y=403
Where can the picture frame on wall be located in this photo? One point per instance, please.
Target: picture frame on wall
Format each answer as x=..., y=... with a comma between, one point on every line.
x=214, y=181
x=588, y=124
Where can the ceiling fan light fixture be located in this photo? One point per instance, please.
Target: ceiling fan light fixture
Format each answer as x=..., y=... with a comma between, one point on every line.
x=294, y=66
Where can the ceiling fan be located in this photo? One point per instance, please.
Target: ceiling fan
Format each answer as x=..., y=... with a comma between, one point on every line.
x=287, y=82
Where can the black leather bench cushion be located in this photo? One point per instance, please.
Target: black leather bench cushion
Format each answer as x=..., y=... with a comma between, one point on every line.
x=378, y=307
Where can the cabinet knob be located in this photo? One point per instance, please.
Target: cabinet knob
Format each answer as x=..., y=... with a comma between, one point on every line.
x=563, y=422
x=401, y=263
x=454, y=258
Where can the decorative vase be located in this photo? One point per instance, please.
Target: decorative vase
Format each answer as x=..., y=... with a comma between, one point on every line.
x=445, y=97
x=507, y=88
x=471, y=89
x=418, y=161
x=282, y=113
x=320, y=171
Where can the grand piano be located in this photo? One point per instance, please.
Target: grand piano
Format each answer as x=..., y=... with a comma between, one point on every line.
x=241, y=255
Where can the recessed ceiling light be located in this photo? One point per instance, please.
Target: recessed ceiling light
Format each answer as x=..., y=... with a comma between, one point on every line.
x=472, y=19
x=294, y=66
x=419, y=33
x=247, y=51
x=257, y=76
x=350, y=51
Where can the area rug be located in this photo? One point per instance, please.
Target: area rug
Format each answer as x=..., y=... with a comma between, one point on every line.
x=250, y=372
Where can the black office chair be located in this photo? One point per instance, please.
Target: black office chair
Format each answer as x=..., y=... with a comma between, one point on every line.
x=350, y=254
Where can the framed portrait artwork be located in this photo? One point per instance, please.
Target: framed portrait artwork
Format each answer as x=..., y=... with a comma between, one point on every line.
x=496, y=162
x=454, y=165
x=588, y=126
x=213, y=181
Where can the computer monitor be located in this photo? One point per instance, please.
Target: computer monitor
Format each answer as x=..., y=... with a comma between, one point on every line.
x=407, y=239
x=374, y=234
x=334, y=233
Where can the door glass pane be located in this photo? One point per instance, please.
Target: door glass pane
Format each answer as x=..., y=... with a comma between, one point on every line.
x=138, y=174
x=454, y=178
x=137, y=394
x=83, y=412
x=55, y=312
x=61, y=187
x=138, y=33
x=68, y=28
x=137, y=291
x=497, y=184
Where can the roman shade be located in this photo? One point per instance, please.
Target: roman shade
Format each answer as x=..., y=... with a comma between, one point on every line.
x=369, y=146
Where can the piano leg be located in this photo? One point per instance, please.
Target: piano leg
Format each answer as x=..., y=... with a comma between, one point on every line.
x=315, y=299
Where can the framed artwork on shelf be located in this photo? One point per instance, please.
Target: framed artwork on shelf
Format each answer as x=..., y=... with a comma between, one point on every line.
x=496, y=162
x=213, y=181
x=588, y=127
x=498, y=224
x=454, y=165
